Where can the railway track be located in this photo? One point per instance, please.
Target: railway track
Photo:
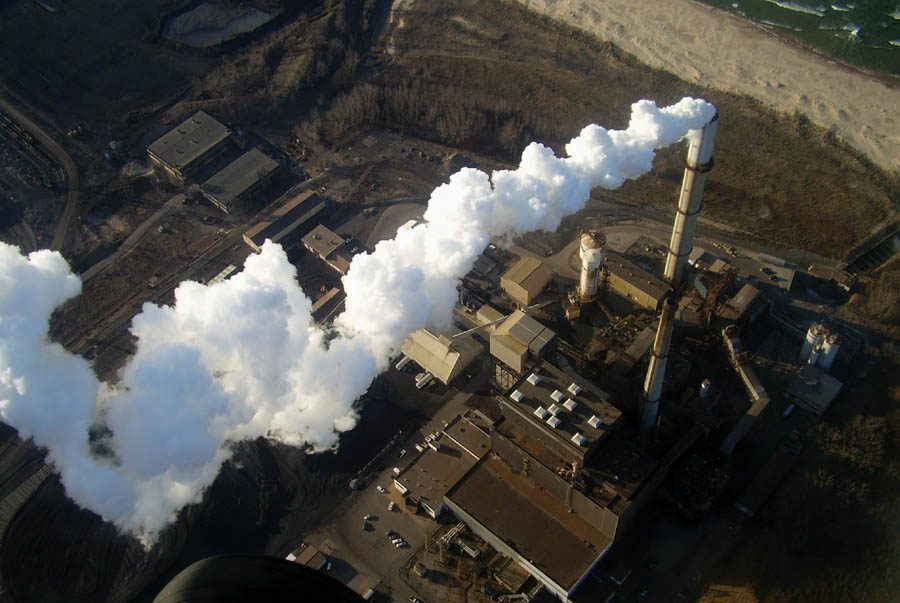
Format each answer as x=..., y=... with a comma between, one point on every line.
x=49, y=147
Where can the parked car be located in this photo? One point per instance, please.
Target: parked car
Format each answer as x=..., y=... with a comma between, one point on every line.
x=381, y=489
x=369, y=517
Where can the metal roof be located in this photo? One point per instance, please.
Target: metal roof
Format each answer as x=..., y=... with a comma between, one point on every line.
x=292, y=214
x=744, y=298
x=239, y=176
x=637, y=277
x=530, y=273
x=189, y=140
x=526, y=330
x=440, y=356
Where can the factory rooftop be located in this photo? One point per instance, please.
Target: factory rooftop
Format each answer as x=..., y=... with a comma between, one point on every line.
x=322, y=241
x=445, y=457
x=238, y=178
x=540, y=531
x=285, y=220
x=189, y=140
x=814, y=389
x=628, y=279
x=526, y=279
x=574, y=414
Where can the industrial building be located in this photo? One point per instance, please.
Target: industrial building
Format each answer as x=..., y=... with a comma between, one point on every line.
x=328, y=246
x=285, y=220
x=556, y=419
x=520, y=340
x=442, y=356
x=634, y=283
x=525, y=280
x=190, y=145
x=442, y=459
x=328, y=306
x=309, y=556
x=550, y=492
x=746, y=306
x=239, y=179
x=813, y=389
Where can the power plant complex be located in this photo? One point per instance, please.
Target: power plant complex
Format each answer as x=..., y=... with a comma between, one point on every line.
x=554, y=478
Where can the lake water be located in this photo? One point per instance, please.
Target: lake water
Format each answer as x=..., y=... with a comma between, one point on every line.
x=861, y=32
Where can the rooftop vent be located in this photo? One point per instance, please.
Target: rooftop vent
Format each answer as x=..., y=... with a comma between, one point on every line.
x=595, y=421
x=574, y=389
x=533, y=379
x=540, y=412
x=554, y=409
x=517, y=396
x=570, y=404
x=553, y=422
x=557, y=396
x=578, y=439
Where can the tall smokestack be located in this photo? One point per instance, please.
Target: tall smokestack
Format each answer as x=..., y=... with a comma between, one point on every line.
x=698, y=163
x=593, y=247
x=657, y=369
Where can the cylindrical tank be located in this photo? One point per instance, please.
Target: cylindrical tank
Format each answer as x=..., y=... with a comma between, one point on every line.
x=593, y=246
x=704, y=388
x=830, y=348
x=813, y=357
x=814, y=337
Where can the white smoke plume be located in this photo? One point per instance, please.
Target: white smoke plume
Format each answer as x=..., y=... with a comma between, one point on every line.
x=242, y=358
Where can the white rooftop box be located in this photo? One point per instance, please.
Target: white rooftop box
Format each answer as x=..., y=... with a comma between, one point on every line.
x=595, y=421
x=557, y=396
x=533, y=379
x=578, y=439
x=553, y=422
x=554, y=409
x=540, y=412
x=574, y=389
x=517, y=396
x=570, y=404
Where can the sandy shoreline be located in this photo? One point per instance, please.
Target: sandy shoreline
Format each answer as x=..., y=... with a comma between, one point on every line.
x=710, y=47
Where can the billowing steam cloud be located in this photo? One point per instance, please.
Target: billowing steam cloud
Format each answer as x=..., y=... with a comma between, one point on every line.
x=243, y=359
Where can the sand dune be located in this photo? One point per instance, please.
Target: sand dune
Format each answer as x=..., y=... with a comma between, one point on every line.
x=713, y=48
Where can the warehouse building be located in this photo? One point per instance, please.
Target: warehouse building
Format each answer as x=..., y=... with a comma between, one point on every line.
x=189, y=146
x=635, y=283
x=329, y=247
x=442, y=356
x=285, y=220
x=239, y=179
x=526, y=279
x=520, y=340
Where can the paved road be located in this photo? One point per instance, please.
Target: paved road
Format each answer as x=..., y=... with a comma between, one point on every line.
x=62, y=158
